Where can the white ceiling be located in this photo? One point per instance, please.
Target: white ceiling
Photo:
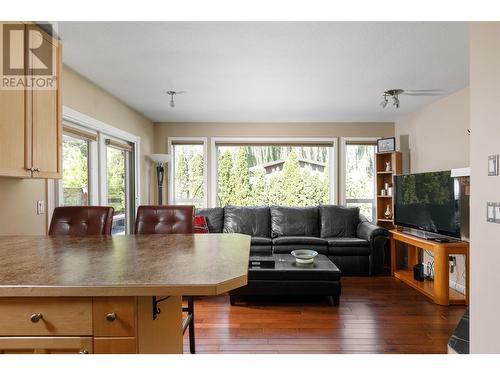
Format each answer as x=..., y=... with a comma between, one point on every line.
x=268, y=71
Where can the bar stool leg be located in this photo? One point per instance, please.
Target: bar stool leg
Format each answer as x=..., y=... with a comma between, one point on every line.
x=191, y=325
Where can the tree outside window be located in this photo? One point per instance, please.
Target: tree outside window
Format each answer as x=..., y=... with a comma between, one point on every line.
x=268, y=175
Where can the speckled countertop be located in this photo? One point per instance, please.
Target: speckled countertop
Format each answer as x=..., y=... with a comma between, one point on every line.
x=176, y=264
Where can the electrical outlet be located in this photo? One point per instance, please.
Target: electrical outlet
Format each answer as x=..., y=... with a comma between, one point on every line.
x=40, y=207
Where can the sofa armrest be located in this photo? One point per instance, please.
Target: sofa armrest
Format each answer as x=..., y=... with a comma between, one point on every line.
x=377, y=236
x=368, y=231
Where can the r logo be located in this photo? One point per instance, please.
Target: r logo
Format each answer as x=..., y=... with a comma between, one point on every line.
x=37, y=57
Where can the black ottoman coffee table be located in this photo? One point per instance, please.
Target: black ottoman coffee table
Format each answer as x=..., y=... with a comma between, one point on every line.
x=321, y=278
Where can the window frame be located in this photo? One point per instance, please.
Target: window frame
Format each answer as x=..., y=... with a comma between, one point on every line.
x=344, y=141
x=97, y=163
x=172, y=141
x=332, y=156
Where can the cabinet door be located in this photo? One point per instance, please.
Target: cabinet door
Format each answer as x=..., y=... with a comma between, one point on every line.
x=46, y=345
x=114, y=316
x=46, y=116
x=15, y=139
x=115, y=345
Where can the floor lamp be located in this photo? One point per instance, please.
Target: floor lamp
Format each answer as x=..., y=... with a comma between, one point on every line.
x=161, y=160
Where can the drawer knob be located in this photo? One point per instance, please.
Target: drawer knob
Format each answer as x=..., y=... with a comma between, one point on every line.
x=35, y=318
x=84, y=351
x=111, y=317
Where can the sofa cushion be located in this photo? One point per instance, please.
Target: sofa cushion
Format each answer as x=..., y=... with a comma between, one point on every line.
x=261, y=241
x=252, y=220
x=348, y=250
x=214, y=218
x=347, y=242
x=284, y=245
x=299, y=240
x=294, y=221
x=338, y=221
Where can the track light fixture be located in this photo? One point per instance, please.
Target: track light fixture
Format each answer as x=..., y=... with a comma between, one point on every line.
x=393, y=95
x=172, y=94
x=384, y=102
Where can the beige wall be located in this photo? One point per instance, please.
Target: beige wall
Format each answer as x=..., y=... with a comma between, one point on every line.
x=85, y=97
x=485, y=140
x=437, y=134
x=299, y=130
x=18, y=197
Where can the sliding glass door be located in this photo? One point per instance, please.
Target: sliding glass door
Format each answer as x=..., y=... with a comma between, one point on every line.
x=118, y=192
x=99, y=169
x=75, y=181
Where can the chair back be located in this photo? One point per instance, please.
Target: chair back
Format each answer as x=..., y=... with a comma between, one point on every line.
x=164, y=219
x=81, y=221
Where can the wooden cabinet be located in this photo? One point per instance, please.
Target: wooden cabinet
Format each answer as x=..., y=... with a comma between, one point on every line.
x=31, y=114
x=115, y=345
x=102, y=325
x=387, y=165
x=71, y=316
x=114, y=316
x=46, y=345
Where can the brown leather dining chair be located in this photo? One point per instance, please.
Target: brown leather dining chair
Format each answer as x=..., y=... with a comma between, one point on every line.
x=81, y=221
x=170, y=220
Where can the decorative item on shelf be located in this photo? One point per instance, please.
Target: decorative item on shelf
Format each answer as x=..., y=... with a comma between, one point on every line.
x=386, y=144
x=160, y=160
x=388, y=213
x=386, y=186
x=383, y=192
x=389, y=191
x=387, y=166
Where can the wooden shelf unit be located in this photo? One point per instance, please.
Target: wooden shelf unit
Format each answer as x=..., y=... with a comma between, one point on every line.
x=438, y=290
x=383, y=177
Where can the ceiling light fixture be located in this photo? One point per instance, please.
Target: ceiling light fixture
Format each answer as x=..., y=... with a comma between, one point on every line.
x=384, y=102
x=393, y=94
x=172, y=94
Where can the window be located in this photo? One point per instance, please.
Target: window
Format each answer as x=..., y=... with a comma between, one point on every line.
x=359, y=176
x=118, y=183
x=75, y=181
x=188, y=172
x=99, y=168
x=274, y=172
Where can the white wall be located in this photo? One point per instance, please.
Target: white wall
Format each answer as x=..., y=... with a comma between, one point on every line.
x=437, y=134
x=438, y=141
x=485, y=140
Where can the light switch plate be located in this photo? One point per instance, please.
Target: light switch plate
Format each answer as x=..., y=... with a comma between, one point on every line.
x=497, y=212
x=490, y=212
x=40, y=207
x=493, y=165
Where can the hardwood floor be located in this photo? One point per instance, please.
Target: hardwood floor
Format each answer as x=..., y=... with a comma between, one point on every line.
x=376, y=315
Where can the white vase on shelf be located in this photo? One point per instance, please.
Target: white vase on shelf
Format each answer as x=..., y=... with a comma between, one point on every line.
x=388, y=213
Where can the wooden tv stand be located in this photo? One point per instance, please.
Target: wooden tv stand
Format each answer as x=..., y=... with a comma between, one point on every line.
x=438, y=290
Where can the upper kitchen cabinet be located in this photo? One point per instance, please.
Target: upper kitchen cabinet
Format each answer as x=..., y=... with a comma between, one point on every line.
x=30, y=103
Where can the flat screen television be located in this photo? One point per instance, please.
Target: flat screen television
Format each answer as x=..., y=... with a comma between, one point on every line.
x=428, y=202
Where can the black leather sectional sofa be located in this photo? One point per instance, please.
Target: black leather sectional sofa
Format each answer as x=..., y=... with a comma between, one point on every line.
x=354, y=244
